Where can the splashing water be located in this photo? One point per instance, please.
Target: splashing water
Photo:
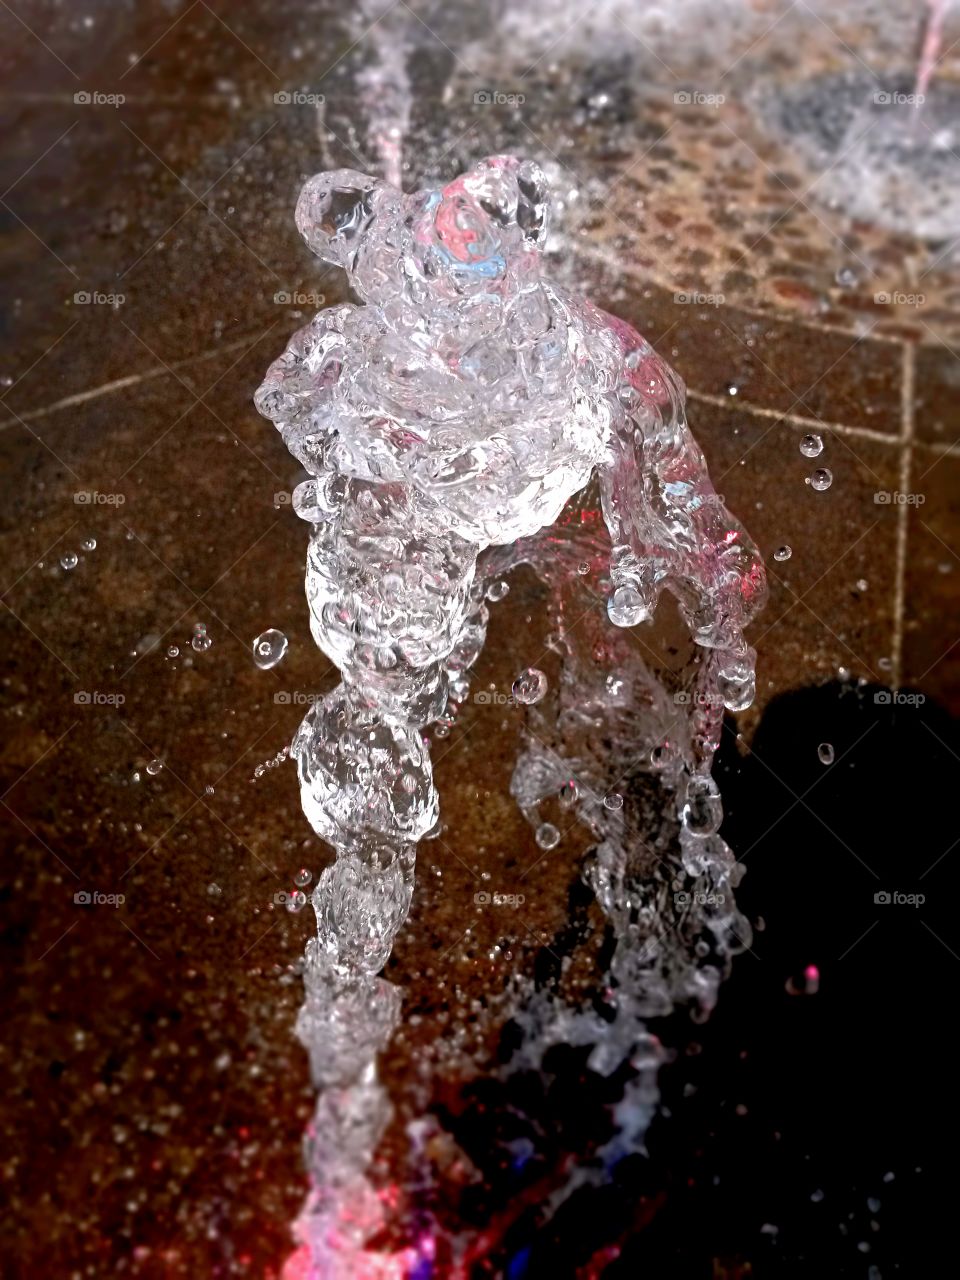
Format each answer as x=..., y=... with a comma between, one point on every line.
x=446, y=423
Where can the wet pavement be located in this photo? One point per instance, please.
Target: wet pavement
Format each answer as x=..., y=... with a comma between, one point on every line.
x=155, y=1096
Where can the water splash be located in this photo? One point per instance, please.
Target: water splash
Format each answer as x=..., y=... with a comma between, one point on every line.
x=447, y=423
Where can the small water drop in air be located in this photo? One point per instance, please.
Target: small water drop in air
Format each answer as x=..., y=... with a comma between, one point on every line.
x=497, y=591
x=547, y=837
x=89, y=544
x=811, y=446
x=69, y=561
x=821, y=479
x=297, y=900
x=783, y=553
x=530, y=686
x=825, y=752
x=613, y=801
x=303, y=877
x=173, y=652
x=201, y=642
x=269, y=648
x=154, y=767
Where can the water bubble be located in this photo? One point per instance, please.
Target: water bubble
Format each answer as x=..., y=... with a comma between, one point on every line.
x=825, y=752
x=201, y=641
x=583, y=568
x=783, y=553
x=296, y=900
x=625, y=607
x=69, y=561
x=703, y=811
x=530, y=686
x=173, y=652
x=613, y=801
x=154, y=767
x=811, y=446
x=547, y=837
x=303, y=877
x=269, y=648
x=89, y=544
x=821, y=479
x=569, y=793
x=497, y=591
x=846, y=277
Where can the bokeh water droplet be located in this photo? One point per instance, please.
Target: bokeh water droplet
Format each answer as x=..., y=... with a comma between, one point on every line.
x=811, y=446
x=613, y=801
x=154, y=767
x=303, y=877
x=821, y=479
x=89, y=544
x=296, y=900
x=530, y=686
x=69, y=561
x=825, y=752
x=547, y=837
x=783, y=553
x=269, y=648
x=201, y=641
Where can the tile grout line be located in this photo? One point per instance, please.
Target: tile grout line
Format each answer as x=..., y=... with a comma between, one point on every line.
x=132, y=380
x=794, y=419
x=903, y=510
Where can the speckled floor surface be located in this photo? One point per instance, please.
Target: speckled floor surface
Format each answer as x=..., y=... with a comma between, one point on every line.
x=155, y=1097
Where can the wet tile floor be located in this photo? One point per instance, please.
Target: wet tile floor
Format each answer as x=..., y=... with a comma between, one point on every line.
x=156, y=1096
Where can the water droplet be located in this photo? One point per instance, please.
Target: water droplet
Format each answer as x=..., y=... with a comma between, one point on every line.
x=201, y=641
x=269, y=648
x=846, y=277
x=613, y=801
x=214, y=889
x=703, y=811
x=625, y=607
x=783, y=553
x=208, y=790
x=296, y=900
x=303, y=877
x=862, y=584
x=825, y=752
x=154, y=767
x=173, y=652
x=547, y=837
x=821, y=479
x=69, y=561
x=811, y=446
x=583, y=568
x=497, y=590
x=530, y=686
x=89, y=544
x=732, y=389
x=569, y=793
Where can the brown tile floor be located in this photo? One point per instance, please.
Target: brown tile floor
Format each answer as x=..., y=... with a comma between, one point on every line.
x=156, y=1096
